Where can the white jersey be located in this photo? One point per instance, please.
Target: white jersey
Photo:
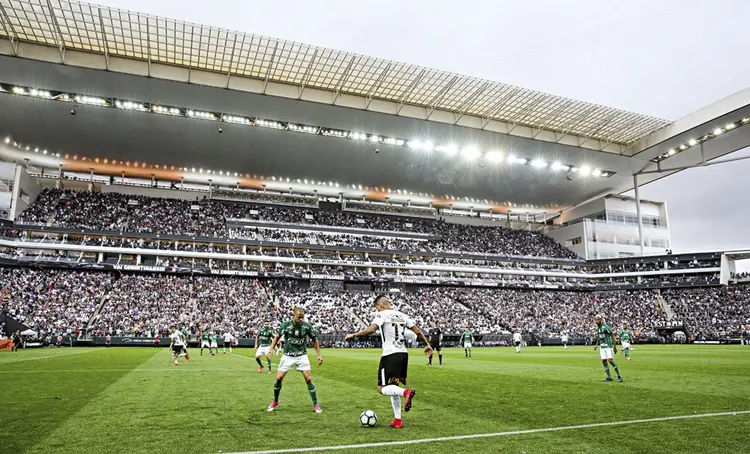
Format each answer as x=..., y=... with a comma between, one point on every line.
x=177, y=338
x=227, y=337
x=516, y=337
x=565, y=338
x=393, y=325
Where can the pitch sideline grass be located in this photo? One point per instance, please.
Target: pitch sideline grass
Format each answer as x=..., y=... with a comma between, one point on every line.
x=133, y=400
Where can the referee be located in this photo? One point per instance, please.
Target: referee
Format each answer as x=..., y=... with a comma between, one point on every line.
x=436, y=342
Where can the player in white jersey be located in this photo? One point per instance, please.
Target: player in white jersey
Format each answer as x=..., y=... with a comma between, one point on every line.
x=227, y=342
x=564, y=339
x=517, y=340
x=395, y=359
x=175, y=344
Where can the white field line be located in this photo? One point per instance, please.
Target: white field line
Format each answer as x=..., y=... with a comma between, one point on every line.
x=34, y=358
x=497, y=434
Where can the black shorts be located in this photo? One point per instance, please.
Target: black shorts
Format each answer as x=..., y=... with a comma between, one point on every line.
x=517, y=343
x=177, y=349
x=227, y=343
x=436, y=347
x=392, y=369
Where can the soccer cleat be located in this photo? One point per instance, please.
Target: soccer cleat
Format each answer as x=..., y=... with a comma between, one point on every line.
x=270, y=371
x=607, y=379
x=176, y=364
x=318, y=409
x=272, y=406
x=225, y=353
x=187, y=358
x=260, y=369
x=619, y=379
x=396, y=424
x=409, y=394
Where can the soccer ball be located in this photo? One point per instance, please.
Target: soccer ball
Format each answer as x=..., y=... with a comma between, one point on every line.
x=368, y=418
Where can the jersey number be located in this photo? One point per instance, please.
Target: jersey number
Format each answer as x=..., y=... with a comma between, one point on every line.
x=398, y=335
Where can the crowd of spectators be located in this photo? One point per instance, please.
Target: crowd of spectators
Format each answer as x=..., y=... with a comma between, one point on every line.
x=52, y=301
x=207, y=218
x=66, y=301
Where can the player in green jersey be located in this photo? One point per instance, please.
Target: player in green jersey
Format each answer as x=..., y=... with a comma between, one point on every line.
x=624, y=336
x=467, y=339
x=215, y=341
x=206, y=342
x=296, y=332
x=263, y=339
x=607, y=348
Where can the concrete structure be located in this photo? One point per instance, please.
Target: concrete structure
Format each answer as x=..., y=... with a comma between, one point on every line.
x=125, y=94
x=608, y=227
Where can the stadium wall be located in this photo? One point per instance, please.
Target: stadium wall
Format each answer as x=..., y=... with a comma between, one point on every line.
x=25, y=191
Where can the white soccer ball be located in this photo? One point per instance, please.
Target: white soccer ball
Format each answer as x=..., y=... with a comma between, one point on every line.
x=368, y=418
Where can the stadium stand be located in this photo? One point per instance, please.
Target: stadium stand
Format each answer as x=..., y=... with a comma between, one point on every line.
x=140, y=214
x=145, y=304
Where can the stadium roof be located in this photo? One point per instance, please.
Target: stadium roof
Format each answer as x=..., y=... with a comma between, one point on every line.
x=70, y=25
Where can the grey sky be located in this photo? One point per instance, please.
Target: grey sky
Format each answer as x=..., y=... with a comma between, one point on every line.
x=664, y=58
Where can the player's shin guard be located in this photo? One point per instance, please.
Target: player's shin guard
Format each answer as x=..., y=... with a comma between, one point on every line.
x=430, y=359
x=396, y=404
x=257, y=360
x=627, y=353
x=276, y=390
x=269, y=365
x=313, y=394
x=606, y=369
x=617, y=369
x=440, y=356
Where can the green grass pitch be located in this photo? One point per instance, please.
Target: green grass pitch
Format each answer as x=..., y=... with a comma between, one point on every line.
x=132, y=400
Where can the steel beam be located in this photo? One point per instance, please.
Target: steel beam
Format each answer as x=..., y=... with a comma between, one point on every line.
x=378, y=83
x=270, y=66
x=59, y=39
x=231, y=60
x=469, y=103
x=344, y=77
x=307, y=73
x=409, y=89
x=105, y=45
x=440, y=95
x=9, y=30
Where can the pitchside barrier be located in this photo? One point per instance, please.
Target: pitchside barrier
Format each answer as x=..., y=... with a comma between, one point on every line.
x=337, y=341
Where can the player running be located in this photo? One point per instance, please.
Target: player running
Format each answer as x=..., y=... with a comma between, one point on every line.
x=394, y=362
x=263, y=339
x=227, y=342
x=564, y=339
x=296, y=333
x=436, y=343
x=624, y=336
x=467, y=339
x=607, y=347
x=185, y=337
x=517, y=340
x=175, y=344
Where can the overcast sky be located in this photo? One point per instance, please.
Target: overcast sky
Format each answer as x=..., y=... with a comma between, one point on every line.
x=665, y=58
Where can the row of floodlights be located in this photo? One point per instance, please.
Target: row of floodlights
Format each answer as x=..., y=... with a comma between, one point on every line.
x=273, y=179
x=469, y=153
x=716, y=132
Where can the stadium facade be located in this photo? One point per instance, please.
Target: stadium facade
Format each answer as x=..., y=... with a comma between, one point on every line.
x=233, y=154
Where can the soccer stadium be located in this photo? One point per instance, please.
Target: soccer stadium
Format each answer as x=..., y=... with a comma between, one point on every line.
x=189, y=215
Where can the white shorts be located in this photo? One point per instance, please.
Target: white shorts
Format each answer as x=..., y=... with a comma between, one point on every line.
x=565, y=341
x=213, y=344
x=301, y=362
x=605, y=353
x=467, y=344
x=625, y=345
x=263, y=351
x=205, y=344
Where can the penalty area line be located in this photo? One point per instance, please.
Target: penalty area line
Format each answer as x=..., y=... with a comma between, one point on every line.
x=497, y=434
